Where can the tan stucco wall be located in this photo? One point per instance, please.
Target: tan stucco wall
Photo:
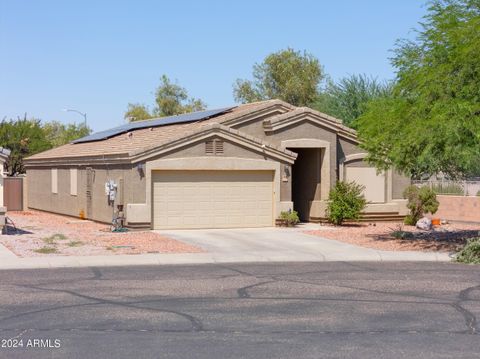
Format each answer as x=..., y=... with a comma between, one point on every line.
x=236, y=156
x=231, y=150
x=302, y=130
x=394, y=183
x=131, y=189
x=358, y=163
x=198, y=149
x=254, y=127
x=340, y=147
x=346, y=147
x=40, y=196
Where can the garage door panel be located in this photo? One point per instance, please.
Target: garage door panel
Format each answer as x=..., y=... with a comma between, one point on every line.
x=212, y=199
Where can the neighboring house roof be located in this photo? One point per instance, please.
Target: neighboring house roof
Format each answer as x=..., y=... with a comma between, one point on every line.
x=4, y=153
x=130, y=146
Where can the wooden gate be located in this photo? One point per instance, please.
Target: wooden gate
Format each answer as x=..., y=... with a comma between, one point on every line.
x=13, y=193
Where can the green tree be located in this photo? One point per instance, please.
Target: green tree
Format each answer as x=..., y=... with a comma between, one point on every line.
x=347, y=98
x=288, y=75
x=24, y=137
x=58, y=134
x=170, y=99
x=137, y=112
x=431, y=123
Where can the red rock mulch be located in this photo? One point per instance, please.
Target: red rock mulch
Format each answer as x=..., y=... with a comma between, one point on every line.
x=72, y=236
x=380, y=235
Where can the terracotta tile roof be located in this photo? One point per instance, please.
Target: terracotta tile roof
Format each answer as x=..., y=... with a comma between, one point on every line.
x=137, y=140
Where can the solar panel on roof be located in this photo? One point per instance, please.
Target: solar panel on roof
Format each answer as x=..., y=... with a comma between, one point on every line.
x=170, y=120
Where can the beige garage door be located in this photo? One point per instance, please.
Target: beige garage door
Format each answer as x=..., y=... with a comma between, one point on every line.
x=212, y=199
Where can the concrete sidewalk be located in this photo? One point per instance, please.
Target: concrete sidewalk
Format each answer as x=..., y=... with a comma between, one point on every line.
x=9, y=261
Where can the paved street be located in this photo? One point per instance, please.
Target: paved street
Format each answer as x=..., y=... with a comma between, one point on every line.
x=288, y=310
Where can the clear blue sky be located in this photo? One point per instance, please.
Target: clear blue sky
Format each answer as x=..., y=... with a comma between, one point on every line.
x=97, y=56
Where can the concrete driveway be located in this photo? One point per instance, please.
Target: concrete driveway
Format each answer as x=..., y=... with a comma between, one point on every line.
x=286, y=244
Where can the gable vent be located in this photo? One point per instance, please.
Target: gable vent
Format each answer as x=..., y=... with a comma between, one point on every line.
x=214, y=147
x=218, y=147
x=209, y=148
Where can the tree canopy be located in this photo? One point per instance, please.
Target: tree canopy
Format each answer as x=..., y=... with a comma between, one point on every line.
x=25, y=137
x=137, y=112
x=347, y=98
x=289, y=75
x=58, y=134
x=170, y=99
x=431, y=124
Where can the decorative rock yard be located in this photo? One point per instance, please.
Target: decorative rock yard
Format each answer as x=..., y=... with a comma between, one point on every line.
x=40, y=233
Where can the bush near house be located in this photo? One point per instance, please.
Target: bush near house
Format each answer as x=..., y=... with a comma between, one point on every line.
x=290, y=218
x=345, y=202
x=421, y=200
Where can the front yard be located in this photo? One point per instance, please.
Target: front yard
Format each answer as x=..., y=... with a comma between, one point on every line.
x=40, y=233
x=394, y=236
x=46, y=234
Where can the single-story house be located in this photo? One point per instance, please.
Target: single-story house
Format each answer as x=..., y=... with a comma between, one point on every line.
x=232, y=167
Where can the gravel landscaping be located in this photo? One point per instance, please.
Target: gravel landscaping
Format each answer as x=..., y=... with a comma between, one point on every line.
x=40, y=234
x=394, y=236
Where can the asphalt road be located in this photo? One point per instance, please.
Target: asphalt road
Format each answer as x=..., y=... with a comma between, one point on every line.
x=298, y=310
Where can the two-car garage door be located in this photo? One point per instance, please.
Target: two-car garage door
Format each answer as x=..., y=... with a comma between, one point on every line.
x=212, y=199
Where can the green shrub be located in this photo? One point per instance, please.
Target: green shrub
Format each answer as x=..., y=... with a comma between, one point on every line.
x=410, y=220
x=345, y=201
x=290, y=218
x=470, y=254
x=420, y=201
x=478, y=193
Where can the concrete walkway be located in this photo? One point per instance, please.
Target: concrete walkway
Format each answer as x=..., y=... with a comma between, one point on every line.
x=231, y=246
